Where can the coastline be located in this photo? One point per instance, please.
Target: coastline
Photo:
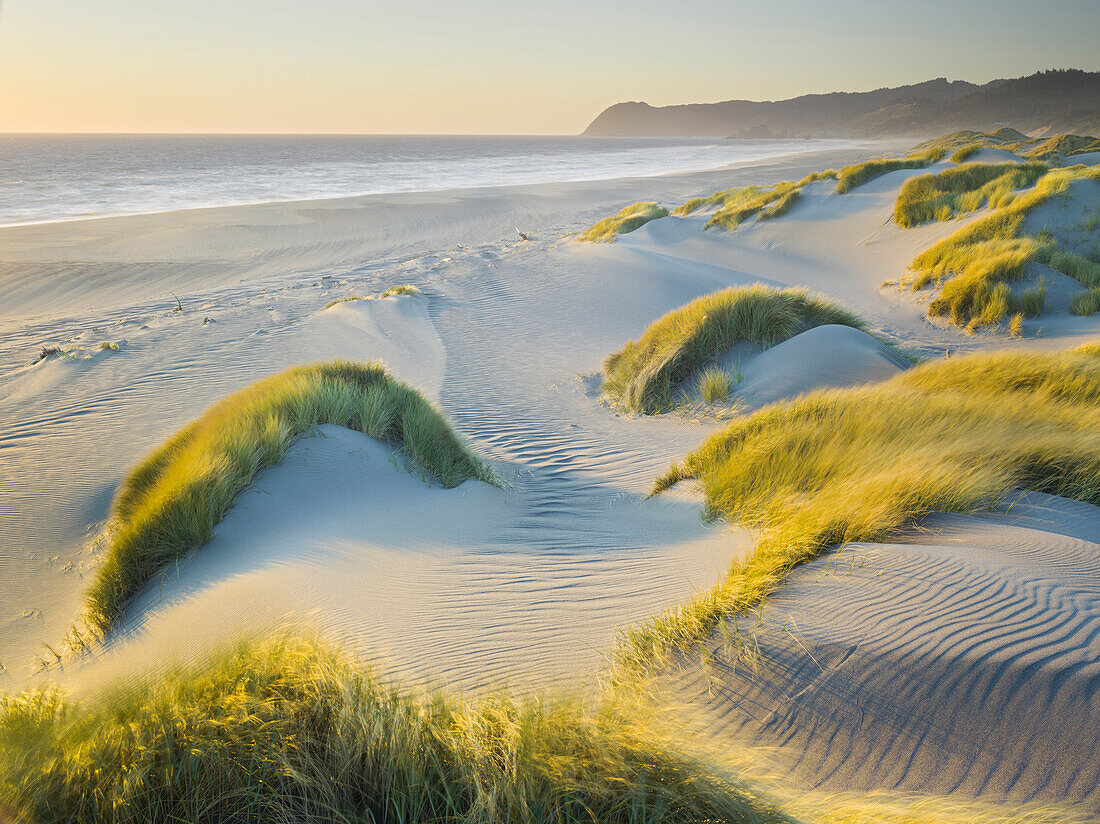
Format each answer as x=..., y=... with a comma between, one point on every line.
x=474, y=588
x=239, y=239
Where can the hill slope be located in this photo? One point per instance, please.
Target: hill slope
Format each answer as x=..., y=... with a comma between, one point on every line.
x=1042, y=103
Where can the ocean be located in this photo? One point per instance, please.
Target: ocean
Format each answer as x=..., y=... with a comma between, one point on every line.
x=45, y=178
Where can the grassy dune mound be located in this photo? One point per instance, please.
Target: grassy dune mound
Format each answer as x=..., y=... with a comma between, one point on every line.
x=739, y=204
x=286, y=730
x=170, y=503
x=626, y=221
x=857, y=465
x=976, y=264
x=859, y=173
x=963, y=189
x=643, y=375
x=393, y=291
x=966, y=143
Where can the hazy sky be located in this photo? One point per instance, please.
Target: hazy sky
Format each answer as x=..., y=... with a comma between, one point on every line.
x=479, y=66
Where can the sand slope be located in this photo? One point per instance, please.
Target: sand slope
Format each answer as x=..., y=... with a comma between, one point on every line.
x=826, y=357
x=964, y=660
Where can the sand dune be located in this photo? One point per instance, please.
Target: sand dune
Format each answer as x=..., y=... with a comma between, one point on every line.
x=824, y=357
x=963, y=660
x=971, y=681
x=990, y=155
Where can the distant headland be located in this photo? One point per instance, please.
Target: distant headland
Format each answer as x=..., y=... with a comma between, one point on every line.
x=1048, y=102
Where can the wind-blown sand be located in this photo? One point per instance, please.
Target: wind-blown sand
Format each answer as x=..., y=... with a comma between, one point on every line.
x=825, y=357
x=527, y=585
x=964, y=660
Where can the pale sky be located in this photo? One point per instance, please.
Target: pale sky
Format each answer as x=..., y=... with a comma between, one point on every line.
x=487, y=67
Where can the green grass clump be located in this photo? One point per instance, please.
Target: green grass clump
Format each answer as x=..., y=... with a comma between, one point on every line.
x=782, y=205
x=716, y=199
x=1085, y=303
x=108, y=344
x=976, y=263
x=962, y=189
x=714, y=385
x=856, y=175
x=860, y=464
x=400, y=289
x=643, y=374
x=965, y=153
x=739, y=204
x=348, y=299
x=1010, y=140
x=629, y=219
x=286, y=730
x=742, y=204
x=169, y=503
x=1064, y=145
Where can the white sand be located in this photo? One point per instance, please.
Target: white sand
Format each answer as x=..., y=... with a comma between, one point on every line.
x=478, y=586
x=826, y=357
x=965, y=661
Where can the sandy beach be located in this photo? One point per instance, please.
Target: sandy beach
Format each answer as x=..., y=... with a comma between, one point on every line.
x=959, y=660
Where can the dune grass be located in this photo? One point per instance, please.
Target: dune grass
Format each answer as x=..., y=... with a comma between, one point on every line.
x=629, y=219
x=169, y=503
x=290, y=730
x=739, y=204
x=860, y=464
x=1086, y=303
x=287, y=730
x=714, y=385
x=782, y=205
x=348, y=299
x=975, y=265
x=644, y=374
x=859, y=173
x=965, y=153
x=400, y=289
x=963, y=189
x=1009, y=140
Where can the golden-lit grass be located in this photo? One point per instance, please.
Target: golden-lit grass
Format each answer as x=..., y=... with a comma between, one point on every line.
x=714, y=385
x=965, y=153
x=289, y=730
x=859, y=173
x=742, y=204
x=962, y=189
x=393, y=291
x=782, y=205
x=976, y=264
x=1086, y=303
x=1010, y=140
x=629, y=219
x=739, y=204
x=170, y=502
x=643, y=375
x=348, y=299
x=400, y=289
x=286, y=730
x=954, y=435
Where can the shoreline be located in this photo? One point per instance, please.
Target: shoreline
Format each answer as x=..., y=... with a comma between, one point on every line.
x=190, y=250
x=852, y=145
